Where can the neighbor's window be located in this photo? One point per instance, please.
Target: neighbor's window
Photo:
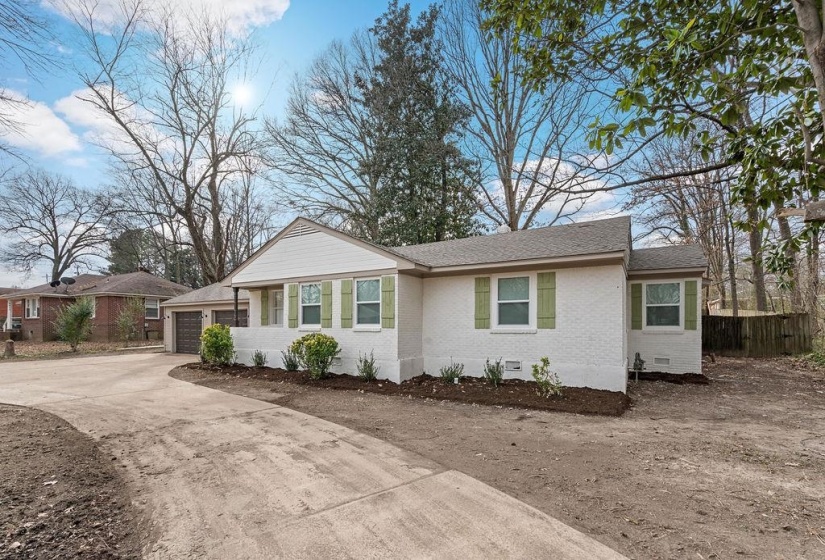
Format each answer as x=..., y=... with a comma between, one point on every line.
x=276, y=315
x=32, y=308
x=94, y=306
x=152, y=308
x=311, y=304
x=663, y=304
x=514, y=301
x=368, y=302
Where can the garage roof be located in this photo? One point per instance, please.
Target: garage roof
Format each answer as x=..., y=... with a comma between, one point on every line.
x=208, y=294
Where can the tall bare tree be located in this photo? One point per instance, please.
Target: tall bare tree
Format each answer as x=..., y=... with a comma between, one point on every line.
x=531, y=140
x=165, y=85
x=51, y=221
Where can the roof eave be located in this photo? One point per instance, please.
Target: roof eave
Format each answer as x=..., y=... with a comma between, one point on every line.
x=589, y=259
x=692, y=270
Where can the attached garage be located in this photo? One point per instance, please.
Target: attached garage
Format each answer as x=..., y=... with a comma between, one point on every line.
x=186, y=316
x=188, y=327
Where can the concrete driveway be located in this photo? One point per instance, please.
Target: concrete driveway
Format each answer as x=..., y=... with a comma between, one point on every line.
x=224, y=476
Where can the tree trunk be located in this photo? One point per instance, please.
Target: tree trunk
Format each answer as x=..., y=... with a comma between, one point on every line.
x=734, y=296
x=793, y=257
x=810, y=23
x=757, y=268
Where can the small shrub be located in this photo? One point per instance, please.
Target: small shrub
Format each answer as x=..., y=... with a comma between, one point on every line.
x=315, y=352
x=217, y=347
x=494, y=372
x=291, y=361
x=74, y=322
x=130, y=320
x=259, y=358
x=450, y=373
x=548, y=381
x=367, y=370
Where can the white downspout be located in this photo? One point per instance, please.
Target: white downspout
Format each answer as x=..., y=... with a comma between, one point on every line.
x=9, y=309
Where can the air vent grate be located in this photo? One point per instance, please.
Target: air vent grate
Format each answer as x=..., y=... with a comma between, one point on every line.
x=300, y=230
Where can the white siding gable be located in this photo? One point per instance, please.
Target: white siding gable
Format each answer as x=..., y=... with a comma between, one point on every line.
x=307, y=252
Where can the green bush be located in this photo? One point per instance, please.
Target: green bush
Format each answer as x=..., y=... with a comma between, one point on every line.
x=548, y=381
x=217, y=347
x=315, y=352
x=129, y=321
x=259, y=358
x=291, y=361
x=494, y=372
x=452, y=372
x=74, y=322
x=367, y=370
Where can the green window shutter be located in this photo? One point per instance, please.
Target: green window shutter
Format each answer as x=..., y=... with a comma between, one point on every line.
x=293, y=306
x=482, y=314
x=264, y=307
x=326, y=304
x=636, y=307
x=388, y=302
x=547, y=300
x=691, y=304
x=346, y=304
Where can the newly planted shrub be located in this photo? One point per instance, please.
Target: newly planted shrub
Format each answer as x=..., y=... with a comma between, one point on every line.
x=217, y=347
x=315, y=352
x=548, y=381
x=130, y=320
x=367, y=370
x=259, y=358
x=74, y=322
x=452, y=372
x=494, y=372
x=291, y=361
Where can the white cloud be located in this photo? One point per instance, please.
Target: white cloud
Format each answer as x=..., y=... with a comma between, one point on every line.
x=241, y=16
x=39, y=128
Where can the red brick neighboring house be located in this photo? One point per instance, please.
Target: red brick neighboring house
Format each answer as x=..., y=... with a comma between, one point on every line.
x=15, y=310
x=41, y=304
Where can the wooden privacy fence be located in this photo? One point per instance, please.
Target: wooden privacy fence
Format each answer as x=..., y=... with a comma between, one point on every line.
x=762, y=336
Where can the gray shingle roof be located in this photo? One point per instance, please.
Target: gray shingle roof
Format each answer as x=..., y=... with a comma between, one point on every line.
x=211, y=293
x=662, y=258
x=133, y=283
x=585, y=238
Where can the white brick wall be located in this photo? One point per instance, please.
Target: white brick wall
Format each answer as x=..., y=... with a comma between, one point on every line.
x=683, y=348
x=272, y=339
x=410, y=325
x=586, y=348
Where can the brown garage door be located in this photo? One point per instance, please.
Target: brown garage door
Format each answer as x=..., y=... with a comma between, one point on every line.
x=227, y=317
x=188, y=327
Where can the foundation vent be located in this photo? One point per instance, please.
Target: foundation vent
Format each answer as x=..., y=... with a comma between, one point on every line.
x=512, y=365
x=661, y=361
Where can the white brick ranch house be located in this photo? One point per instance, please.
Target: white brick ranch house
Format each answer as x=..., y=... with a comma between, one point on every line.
x=579, y=294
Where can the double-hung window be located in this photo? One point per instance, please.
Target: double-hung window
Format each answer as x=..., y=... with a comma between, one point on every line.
x=663, y=304
x=152, y=306
x=368, y=302
x=310, y=304
x=276, y=314
x=513, y=301
x=94, y=306
x=32, y=308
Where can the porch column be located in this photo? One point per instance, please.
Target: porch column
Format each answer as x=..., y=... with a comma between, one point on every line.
x=9, y=311
x=235, y=297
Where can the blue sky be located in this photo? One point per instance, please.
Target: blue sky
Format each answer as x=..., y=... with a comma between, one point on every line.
x=290, y=34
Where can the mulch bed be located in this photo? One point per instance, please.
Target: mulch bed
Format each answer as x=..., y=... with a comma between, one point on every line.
x=678, y=378
x=60, y=496
x=510, y=393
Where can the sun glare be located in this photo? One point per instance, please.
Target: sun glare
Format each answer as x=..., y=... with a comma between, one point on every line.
x=241, y=95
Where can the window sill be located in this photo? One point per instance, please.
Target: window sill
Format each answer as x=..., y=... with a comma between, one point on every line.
x=663, y=330
x=309, y=328
x=518, y=330
x=366, y=328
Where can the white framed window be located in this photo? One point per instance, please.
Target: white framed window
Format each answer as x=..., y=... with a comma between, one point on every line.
x=368, y=302
x=152, y=308
x=276, y=312
x=311, y=304
x=32, y=308
x=512, y=299
x=663, y=305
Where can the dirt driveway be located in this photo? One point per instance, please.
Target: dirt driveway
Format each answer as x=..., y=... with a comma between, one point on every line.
x=734, y=469
x=222, y=476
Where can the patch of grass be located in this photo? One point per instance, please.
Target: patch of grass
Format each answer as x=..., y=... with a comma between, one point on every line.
x=452, y=372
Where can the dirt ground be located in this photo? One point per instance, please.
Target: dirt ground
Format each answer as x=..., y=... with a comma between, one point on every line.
x=60, y=497
x=735, y=468
x=26, y=350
